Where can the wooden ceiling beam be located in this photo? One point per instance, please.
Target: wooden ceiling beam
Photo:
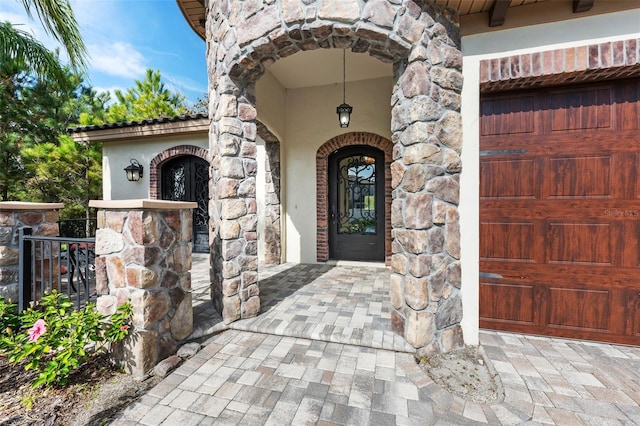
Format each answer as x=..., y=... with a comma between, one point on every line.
x=582, y=5
x=498, y=12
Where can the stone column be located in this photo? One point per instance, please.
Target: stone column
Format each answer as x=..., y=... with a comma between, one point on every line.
x=143, y=253
x=14, y=215
x=427, y=131
x=233, y=210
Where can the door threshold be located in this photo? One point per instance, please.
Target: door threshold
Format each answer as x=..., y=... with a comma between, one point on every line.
x=364, y=264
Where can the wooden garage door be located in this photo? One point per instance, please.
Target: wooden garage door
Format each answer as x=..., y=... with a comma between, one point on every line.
x=560, y=212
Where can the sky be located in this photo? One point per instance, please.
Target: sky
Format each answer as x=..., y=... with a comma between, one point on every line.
x=126, y=37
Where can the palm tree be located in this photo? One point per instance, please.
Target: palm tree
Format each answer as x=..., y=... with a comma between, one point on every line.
x=58, y=20
x=20, y=51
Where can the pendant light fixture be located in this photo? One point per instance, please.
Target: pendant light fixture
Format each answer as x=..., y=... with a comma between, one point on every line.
x=344, y=110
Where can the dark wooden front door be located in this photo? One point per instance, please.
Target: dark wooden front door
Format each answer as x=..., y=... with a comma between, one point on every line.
x=356, y=204
x=187, y=179
x=560, y=212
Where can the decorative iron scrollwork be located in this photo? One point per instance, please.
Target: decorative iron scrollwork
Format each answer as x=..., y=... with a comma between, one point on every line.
x=356, y=210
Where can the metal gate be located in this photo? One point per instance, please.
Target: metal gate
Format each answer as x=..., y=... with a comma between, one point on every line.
x=56, y=263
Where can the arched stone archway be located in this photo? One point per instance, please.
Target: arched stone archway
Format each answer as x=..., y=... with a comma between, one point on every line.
x=423, y=43
x=322, y=208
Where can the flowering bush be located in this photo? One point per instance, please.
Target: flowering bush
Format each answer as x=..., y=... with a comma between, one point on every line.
x=53, y=338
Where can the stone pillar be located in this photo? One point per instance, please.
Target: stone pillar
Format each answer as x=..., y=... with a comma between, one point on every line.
x=233, y=210
x=14, y=215
x=143, y=253
x=427, y=131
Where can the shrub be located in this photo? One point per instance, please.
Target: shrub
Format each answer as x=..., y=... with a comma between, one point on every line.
x=54, y=340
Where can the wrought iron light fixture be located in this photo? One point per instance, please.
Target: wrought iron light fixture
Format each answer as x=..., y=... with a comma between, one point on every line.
x=344, y=110
x=134, y=170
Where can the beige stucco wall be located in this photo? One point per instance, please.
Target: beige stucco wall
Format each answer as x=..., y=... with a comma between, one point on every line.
x=261, y=193
x=309, y=121
x=270, y=102
x=576, y=32
x=116, y=156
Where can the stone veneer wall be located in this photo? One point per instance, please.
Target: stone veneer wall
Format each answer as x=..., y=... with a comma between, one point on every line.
x=42, y=218
x=423, y=42
x=272, y=231
x=143, y=253
x=273, y=206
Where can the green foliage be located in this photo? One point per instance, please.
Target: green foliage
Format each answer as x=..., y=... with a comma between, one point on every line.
x=32, y=111
x=53, y=338
x=9, y=321
x=20, y=47
x=58, y=19
x=149, y=98
x=360, y=226
x=67, y=171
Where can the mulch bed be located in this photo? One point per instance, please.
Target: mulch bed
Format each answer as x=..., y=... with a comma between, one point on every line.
x=54, y=405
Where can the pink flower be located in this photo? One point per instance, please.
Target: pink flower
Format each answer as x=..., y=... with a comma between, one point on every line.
x=38, y=329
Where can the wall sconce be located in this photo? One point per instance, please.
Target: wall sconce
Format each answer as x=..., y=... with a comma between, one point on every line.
x=344, y=110
x=134, y=171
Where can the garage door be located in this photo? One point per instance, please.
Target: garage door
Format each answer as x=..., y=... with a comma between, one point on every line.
x=560, y=212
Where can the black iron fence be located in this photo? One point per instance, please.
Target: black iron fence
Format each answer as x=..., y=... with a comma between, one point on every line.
x=62, y=263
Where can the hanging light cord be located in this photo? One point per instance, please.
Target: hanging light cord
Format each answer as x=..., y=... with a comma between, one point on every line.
x=344, y=76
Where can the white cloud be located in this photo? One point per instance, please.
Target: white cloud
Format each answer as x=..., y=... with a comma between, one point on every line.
x=119, y=59
x=183, y=85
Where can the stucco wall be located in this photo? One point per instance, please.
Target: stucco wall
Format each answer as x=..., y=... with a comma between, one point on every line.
x=261, y=157
x=311, y=120
x=116, y=156
x=270, y=103
x=475, y=48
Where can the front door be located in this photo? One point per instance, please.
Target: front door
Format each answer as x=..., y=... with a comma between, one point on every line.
x=356, y=204
x=187, y=179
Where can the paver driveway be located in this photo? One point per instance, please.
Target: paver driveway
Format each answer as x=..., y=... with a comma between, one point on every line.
x=320, y=354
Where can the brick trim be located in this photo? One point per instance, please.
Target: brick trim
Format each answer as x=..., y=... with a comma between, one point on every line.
x=156, y=164
x=322, y=205
x=615, y=59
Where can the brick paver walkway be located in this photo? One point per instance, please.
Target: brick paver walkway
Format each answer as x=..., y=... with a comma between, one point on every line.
x=319, y=354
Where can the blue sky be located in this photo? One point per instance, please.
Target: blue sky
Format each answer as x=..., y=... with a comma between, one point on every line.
x=125, y=37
